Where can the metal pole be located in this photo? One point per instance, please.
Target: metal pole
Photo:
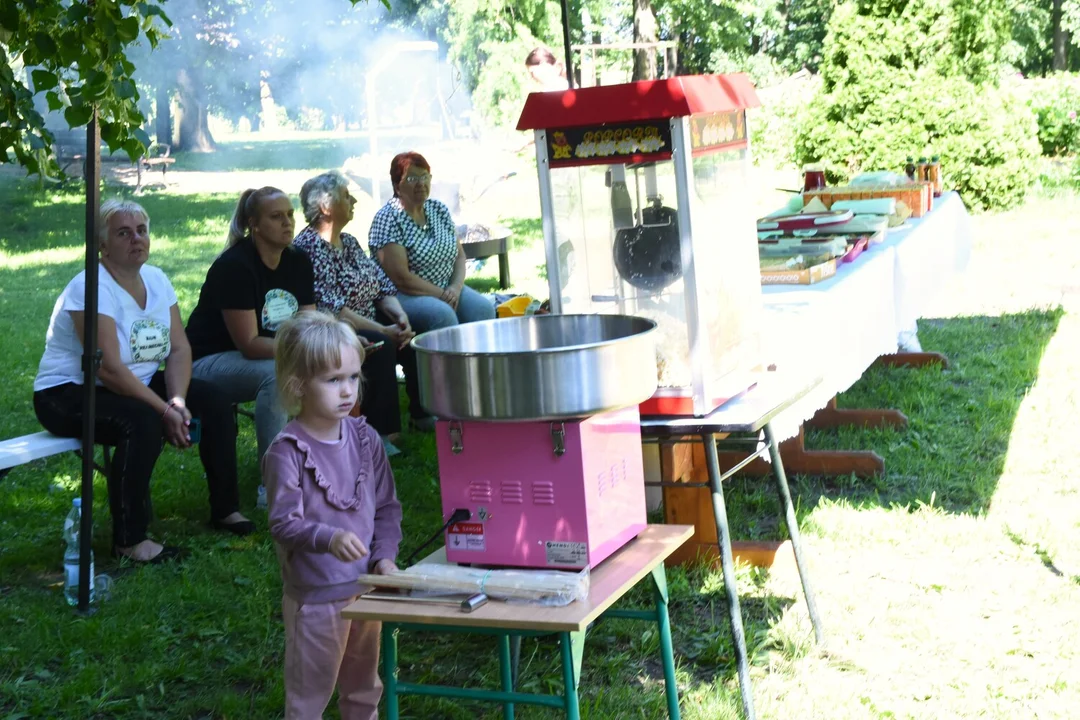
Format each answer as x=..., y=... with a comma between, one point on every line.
x=91, y=356
x=566, y=45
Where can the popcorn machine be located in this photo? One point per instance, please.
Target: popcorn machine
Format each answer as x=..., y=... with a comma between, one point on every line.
x=646, y=211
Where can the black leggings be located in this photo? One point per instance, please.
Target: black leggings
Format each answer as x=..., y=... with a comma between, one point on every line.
x=136, y=431
x=380, y=392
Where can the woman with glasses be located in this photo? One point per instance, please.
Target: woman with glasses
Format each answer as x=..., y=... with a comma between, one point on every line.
x=414, y=239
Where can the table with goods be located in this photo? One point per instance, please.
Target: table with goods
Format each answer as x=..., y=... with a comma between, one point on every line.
x=841, y=325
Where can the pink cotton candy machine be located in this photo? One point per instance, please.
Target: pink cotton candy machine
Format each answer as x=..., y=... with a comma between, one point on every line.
x=538, y=435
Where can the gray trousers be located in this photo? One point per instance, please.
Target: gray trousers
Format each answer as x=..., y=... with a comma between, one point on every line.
x=242, y=380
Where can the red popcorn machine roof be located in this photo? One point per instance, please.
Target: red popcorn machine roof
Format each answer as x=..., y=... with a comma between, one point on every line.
x=645, y=100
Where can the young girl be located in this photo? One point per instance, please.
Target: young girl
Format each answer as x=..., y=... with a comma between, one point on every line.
x=334, y=514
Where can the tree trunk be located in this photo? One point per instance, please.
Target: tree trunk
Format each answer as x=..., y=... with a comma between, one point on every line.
x=645, y=31
x=163, y=119
x=194, y=128
x=1060, y=39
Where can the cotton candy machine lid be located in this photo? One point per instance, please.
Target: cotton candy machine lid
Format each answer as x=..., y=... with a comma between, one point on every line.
x=539, y=367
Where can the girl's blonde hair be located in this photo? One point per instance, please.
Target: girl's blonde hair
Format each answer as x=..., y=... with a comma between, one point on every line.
x=308, y=345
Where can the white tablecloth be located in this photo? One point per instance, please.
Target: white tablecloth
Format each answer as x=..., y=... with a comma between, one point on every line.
x=839, y=327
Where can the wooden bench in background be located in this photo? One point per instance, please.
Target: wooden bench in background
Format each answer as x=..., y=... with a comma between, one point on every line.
x=156, y=157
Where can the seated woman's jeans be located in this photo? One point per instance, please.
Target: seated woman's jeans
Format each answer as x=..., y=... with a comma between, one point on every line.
x=240, y=379
x=430, y=313
x=136, y=431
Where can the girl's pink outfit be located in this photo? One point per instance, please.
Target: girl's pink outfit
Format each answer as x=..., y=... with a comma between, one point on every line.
x=314, y=489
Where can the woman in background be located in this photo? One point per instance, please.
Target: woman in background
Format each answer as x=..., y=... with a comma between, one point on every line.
x=254, y=286
x=138, y=405
x=354, y=288
x=414, y=239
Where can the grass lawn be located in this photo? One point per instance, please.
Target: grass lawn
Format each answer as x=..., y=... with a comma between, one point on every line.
x=948, y=586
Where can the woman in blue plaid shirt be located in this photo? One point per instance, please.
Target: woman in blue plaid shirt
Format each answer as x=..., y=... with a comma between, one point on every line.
x=414, y=239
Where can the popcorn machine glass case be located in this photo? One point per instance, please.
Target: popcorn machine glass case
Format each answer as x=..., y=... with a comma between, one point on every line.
x=643, y=191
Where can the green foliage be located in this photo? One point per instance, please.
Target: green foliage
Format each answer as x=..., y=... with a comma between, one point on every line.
x=1056, y=103
x=717, y=35
x=915, y=78
x=984, y=135
x=937, y=35
x=77, y=55
x=774, y=126
x=1030, y=51
x=502, y=85
x=802, y=40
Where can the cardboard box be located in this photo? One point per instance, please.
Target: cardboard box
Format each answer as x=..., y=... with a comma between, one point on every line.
x=917, y=196
x=809, y=276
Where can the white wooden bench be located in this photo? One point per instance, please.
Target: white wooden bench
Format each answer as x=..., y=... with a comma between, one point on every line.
x=21, y=450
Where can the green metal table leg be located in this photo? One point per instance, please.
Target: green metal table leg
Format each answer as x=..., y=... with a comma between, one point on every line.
x=727, y=561
x=570, y=677
x=671, y=689
x=389, y=670
x=793, y=531
x=505, y=674
x=515, y=658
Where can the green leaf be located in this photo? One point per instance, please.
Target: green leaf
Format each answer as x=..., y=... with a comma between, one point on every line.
x=140, y=135
x=128, y=29
x=54, y=101
x=151, y=10
x=36, y=143
x=125, y=89
x=45, y=44
x=77, y=12
x=9, y=18
x=71, y=46
x=96, y=83
x=43, y=80
x=134, y=149
x=111, y=134
x=78, y=115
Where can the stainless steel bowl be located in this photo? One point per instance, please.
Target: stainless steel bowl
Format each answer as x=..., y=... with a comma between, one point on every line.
x=540, y=367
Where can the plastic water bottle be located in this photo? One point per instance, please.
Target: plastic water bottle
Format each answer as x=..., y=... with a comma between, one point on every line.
x=72, y=526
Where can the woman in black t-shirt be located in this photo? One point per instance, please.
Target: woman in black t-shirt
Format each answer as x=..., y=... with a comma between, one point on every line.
x=255, y=285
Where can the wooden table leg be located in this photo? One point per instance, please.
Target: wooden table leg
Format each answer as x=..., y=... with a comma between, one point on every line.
x=831, y=416
x=914, y=360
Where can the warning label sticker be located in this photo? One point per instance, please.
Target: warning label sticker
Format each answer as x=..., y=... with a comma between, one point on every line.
x=566, y=553
x=466, y=536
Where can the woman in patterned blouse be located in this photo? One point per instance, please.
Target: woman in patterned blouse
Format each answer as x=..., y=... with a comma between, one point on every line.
x=414, y=239
x=353, y=287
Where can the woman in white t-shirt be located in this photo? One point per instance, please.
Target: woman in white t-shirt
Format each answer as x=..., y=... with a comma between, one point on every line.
x=138, y=405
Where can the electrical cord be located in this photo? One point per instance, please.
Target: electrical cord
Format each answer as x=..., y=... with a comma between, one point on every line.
x=459, y=515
